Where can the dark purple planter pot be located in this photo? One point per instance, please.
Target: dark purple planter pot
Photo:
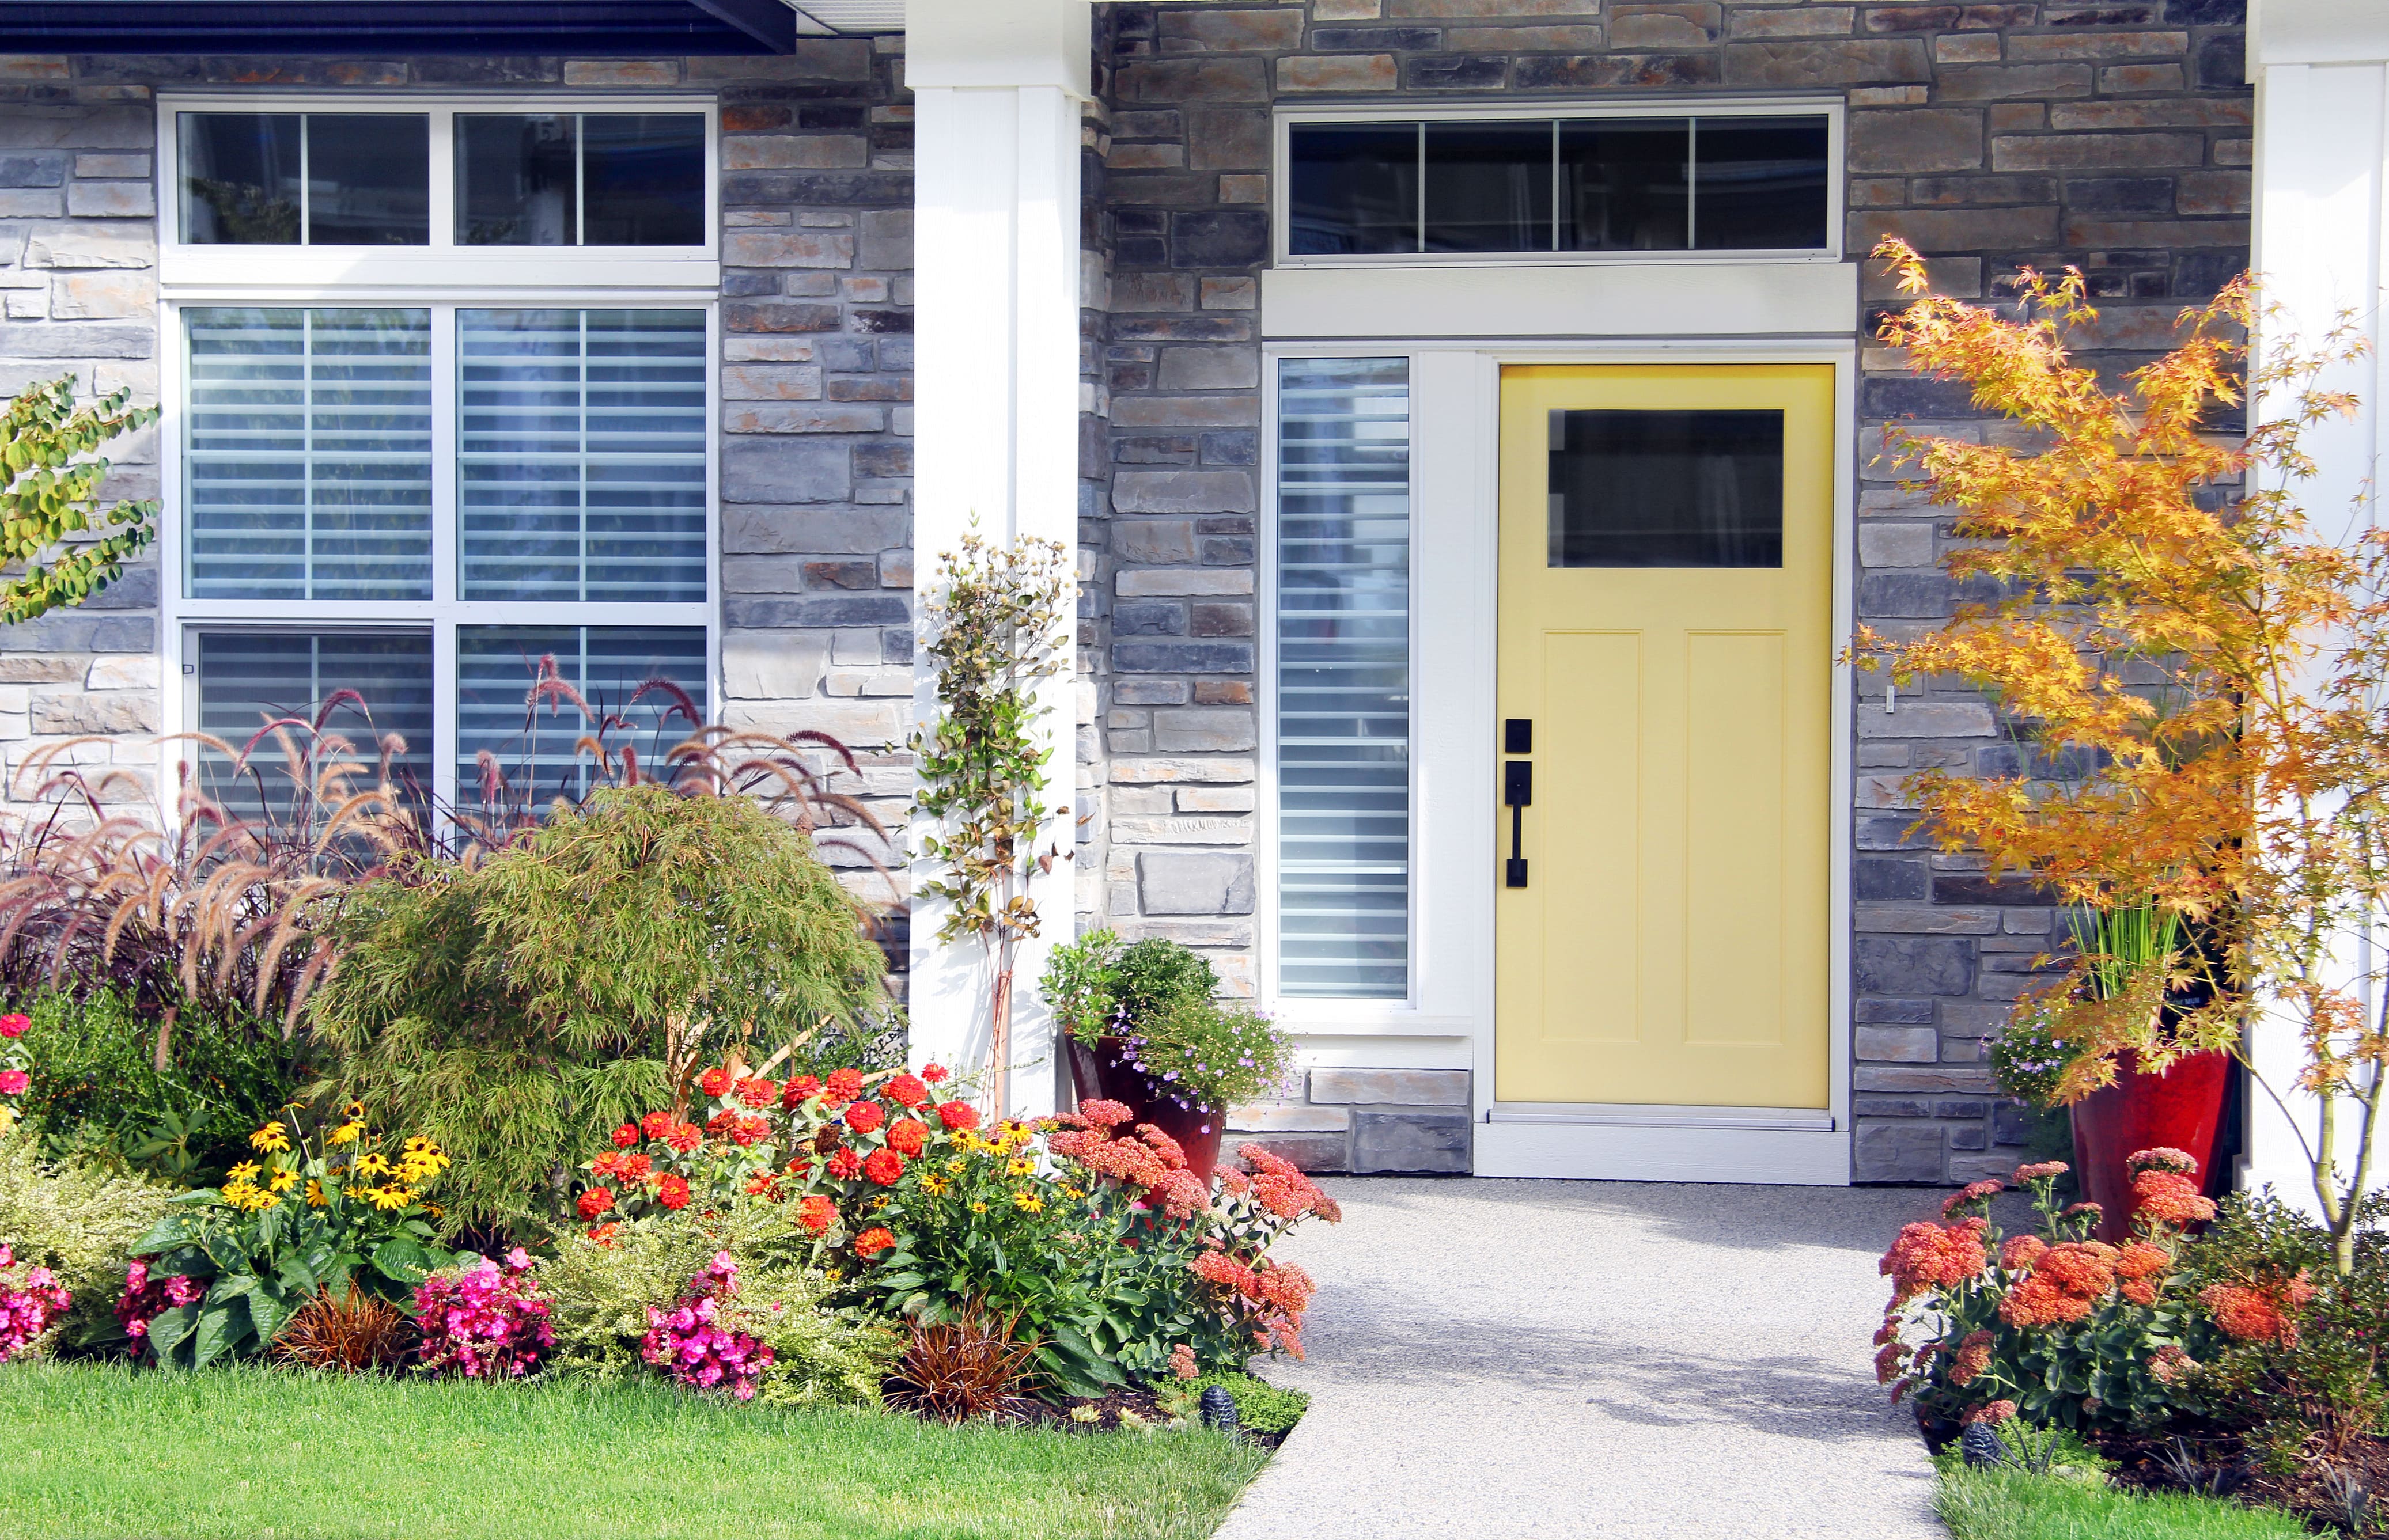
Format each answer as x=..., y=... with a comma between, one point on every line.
x=1102, y=1071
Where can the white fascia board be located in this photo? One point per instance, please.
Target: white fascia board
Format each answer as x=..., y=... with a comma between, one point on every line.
x=984, y=44
x=1770, y=298
x=2317, y=31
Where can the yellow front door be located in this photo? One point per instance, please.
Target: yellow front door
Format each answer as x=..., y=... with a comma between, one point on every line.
x=1665, y=669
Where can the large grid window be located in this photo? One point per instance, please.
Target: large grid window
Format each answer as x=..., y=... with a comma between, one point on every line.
x=463, y=510
x=1343, y=635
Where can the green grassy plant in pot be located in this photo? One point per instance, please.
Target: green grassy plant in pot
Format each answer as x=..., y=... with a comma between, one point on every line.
x=1147, y=1029
x=2107, y=1043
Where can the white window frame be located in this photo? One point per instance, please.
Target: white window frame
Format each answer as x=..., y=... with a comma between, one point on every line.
x=1836, y=175
x=443, y=263
x=442, y=278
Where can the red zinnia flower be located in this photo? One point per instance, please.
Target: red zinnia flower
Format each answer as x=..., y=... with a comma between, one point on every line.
x=594, y=1202
x=756, y=1092
x=844, y=1085
x=714, y=1082
x=958, y=1115
x=793, y=1094
x=907, y=1135
x=874, y=1240
x=906, y=1090
x=656, y=1125
x=626, y=1136
x=816, y=1214
x=865, y=1116
x=721, y=1123
x=845, y=1164
x=748, y=1130
x=933, y=1073
x=682, y=1137
x=604, y=1234
x=14, y=1024
x=884, y=1166
x=672, y=1192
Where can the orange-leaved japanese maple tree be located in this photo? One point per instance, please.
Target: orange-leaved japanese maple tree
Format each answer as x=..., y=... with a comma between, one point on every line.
x=2198, y=671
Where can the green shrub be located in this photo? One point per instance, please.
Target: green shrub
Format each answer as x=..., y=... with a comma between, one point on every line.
x=599, y=1294
x=1260, y=1406
x=77, y=1219
x=99, y=1091
x=519, y=1008
x=2293, y=1355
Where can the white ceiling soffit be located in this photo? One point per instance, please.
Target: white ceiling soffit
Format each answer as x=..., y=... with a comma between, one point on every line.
x=827, y=18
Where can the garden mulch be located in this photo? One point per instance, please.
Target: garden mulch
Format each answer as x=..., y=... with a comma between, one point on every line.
x=1502, y=1358
x=2212, y=1462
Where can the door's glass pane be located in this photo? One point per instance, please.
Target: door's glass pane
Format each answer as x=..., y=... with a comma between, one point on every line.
x=1489, y=186
x=369, y=179
x=642, y=176
x=1622, y=184
x=1666, y=488
x=641, y=687
x=1353, y=189
x=581, y=455
x=247, y=678
x=1759, y=185
x=1342, y=677
x=239, y=178
x=307, y=453
x=516, y=179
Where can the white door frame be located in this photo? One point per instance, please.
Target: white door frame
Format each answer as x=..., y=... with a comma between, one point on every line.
x=1455, y=437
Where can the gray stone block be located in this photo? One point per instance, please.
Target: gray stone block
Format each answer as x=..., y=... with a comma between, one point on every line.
x=1205, y=730
x=1897, y=1153
x=1175, y=882
x=760, y=468
x=1912, y=965
x=1411, y=1141
x=1310, y=1152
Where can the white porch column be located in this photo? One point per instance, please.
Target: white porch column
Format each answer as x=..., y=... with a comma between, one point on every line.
x=997, y=88
x=2321, y=72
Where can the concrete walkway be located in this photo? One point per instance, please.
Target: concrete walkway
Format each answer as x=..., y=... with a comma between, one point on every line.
x=1516, y=1358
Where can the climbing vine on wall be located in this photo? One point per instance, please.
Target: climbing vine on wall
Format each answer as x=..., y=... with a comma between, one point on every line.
x=46, y=499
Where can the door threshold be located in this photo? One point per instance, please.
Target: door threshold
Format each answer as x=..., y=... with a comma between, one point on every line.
x=1642, y=1115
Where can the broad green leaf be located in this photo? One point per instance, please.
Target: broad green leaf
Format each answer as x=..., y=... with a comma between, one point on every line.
x=400, y=1260
x=222, y=1330
x=167, y=1328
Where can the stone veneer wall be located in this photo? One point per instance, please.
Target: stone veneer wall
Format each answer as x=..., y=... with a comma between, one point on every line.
x=816, y=363
x=2114, y=137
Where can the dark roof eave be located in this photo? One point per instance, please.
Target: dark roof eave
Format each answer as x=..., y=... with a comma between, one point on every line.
x=607, y=28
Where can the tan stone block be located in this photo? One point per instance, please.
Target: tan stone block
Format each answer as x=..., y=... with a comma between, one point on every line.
x=1389, y=1088
x=1215, y=799
x=1344, y=10
x=117, y=671
x=1338, y=73
x=622, y=71
x=1182, y=831
x=1171, y=769
x=1287, y=1120
x=107, y=296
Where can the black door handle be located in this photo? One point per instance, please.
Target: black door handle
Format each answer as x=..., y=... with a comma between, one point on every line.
x=1518, y=795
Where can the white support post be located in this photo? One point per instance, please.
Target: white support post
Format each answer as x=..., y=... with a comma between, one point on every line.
x=2321, y=72
x=997, y=88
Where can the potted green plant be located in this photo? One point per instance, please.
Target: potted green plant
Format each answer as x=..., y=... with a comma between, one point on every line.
x=2104, y=1043
x=1147, y=1029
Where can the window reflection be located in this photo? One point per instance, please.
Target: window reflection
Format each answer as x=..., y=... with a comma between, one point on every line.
x=1666, y=488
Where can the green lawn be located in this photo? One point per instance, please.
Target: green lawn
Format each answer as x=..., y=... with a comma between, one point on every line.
x=2008, y=1505
x=98, y=1452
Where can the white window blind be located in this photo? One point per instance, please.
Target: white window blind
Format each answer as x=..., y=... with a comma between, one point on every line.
x=307, y=453
x=1342, y=677
x=247, y=678
x=581, y=464
x=619, y=671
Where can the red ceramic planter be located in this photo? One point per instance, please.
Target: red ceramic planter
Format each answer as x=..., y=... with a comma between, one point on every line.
x=1100, y=1072
x=2179, y=1109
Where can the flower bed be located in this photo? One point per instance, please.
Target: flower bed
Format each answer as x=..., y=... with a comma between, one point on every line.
x=2216, y=1353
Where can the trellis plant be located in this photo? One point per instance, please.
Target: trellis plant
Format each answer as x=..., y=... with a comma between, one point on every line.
x=998, y=626
x=46, y=498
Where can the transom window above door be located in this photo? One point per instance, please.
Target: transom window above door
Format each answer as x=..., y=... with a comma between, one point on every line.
x=1578, y=186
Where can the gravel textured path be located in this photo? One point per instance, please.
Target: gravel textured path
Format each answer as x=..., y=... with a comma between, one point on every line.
x=1537, y=1358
